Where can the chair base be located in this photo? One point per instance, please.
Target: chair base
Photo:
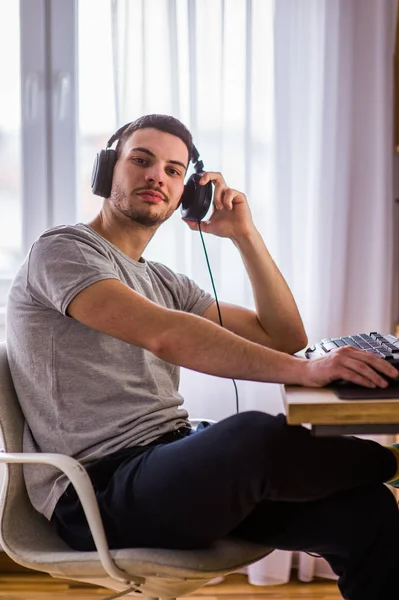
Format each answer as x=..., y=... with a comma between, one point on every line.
x=153, y=587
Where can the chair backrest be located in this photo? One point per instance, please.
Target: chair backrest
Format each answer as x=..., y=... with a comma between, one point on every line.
x=23, y=531
x=11, y=417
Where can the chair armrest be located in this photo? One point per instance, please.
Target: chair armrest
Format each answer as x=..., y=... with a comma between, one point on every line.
x=80, y=480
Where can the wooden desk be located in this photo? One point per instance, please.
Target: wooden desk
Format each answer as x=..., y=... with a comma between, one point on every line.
x=328, y=415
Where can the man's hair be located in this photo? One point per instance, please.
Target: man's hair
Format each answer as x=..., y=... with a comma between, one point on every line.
x=164, y=123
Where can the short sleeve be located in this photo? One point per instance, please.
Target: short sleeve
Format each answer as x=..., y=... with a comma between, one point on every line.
x=193, y=298
x=62, y=265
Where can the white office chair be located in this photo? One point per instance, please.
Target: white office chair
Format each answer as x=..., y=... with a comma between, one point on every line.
x=30, y=540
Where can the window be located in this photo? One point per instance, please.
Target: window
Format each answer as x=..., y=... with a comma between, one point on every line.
x=10, y=128
x=37, y=126
x=95, y=96
x=47, y=145
x=59, y=100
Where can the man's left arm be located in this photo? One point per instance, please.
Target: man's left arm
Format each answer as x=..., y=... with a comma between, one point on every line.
x=276, y=322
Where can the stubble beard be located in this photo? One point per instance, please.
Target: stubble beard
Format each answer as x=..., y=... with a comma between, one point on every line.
x=120, y=201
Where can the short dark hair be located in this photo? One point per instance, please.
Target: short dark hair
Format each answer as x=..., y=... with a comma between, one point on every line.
x=164, y=123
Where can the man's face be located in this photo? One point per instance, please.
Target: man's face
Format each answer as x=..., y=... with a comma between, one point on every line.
x=148, y=178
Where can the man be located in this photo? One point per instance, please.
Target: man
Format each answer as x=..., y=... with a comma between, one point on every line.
x=96, y=335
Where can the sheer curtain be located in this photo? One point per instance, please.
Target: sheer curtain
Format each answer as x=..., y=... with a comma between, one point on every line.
x=334, y=155
x=333, y=202
x=292, y=102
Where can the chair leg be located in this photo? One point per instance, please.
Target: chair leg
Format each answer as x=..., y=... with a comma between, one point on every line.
x=128, y=590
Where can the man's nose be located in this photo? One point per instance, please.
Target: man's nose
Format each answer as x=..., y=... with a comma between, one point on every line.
x=155, y=175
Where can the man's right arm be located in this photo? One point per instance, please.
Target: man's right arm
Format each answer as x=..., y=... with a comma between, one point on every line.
x=196, y=343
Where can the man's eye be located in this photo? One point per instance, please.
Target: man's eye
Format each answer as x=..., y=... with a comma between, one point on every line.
x=139, y=160
x=173, y=171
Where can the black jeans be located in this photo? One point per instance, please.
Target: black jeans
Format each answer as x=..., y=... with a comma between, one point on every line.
x=255, y=477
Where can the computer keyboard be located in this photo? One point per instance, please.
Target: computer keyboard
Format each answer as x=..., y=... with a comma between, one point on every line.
x=385, y=346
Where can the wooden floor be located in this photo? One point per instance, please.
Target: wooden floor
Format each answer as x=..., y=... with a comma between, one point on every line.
x=22, y=586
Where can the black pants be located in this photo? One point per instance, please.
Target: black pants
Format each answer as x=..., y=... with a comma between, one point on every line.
x=255, y=477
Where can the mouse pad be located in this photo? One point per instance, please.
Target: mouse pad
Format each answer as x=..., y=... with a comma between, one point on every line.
x=352, y=391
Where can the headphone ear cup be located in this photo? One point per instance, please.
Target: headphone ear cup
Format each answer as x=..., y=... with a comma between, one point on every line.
x=103, y=169
x=196, y=199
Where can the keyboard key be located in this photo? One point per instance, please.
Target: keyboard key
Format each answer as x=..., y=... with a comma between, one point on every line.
x=350, y=342
x=388, y=344
x=375, y=352
x=386, y=354
x=377, y=336
x=390, y=338
x=393, y=349
x=364, y=345
x=328, y=346
x=367, y=338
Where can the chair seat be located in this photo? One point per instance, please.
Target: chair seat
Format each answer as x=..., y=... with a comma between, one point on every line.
x=228, y=554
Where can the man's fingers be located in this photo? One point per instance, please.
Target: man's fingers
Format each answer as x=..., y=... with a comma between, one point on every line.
x=218, y=199
x=365, y=365
x=224, y=197
x=379, y=364
x=354, y=377
x=216, y=178
x=192, y=224
x=195, y=227
x=360, y=370
x=228, y=196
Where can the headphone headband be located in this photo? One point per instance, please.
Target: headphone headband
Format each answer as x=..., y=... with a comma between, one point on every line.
x=117, y=135
x=194, y=158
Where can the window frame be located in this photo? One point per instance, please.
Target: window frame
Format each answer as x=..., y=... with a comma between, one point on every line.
x=49, y=119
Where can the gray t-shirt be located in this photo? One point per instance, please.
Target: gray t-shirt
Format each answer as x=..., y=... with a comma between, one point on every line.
x=85, y=393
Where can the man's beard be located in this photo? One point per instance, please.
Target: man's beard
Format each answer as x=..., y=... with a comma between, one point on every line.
x=120, y=202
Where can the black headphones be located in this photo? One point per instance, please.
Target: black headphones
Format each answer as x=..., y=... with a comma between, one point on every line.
x=195, y=201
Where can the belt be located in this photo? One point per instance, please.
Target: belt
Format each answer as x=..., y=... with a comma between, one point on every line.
x=173, y=436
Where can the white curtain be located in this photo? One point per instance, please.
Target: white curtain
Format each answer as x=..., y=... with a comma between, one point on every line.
x=333, y=202
x=334, y=153
x=293, y=104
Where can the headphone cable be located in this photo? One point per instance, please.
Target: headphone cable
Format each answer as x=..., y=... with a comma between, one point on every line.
x=217, y=302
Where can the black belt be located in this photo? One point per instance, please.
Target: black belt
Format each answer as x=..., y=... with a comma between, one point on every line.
x=173, y=436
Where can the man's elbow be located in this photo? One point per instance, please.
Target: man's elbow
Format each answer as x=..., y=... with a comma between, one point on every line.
x=163, y=344
x=292, y=343
x=158, y=345
x=298, y=343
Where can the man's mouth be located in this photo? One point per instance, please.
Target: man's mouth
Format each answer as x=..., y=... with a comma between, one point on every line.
x=151, y=196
